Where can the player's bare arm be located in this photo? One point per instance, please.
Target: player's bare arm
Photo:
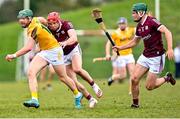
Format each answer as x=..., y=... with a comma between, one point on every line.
x=108, y=46
x=168, y=36
x=130, y=44
x=43, y=20
x=72, y=38
x=27, y=47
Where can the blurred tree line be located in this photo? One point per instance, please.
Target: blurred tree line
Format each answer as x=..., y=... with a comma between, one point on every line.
x=9, y=8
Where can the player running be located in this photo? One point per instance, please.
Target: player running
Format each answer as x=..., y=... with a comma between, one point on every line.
x=152, y=59
x=126, y=59
x=47, y=84
x=66, y=35
x=50, y=53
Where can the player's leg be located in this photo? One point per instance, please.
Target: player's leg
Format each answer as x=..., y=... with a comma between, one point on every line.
x=72, y=75
x=119, y=70
x=35, y=66
x=42, y=78
x=56, y=58
x=50, y=77
x=114, y=71
x=152, y=81
x=81, y=88
x=130, y=67
x=130, y=64
x=137, y=74
x=119, y=76
x=156, y=67
x=77, y=68
x=61, y=72
x=42, y=75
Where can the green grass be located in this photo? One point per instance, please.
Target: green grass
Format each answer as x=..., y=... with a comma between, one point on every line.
x=160, y=103
x=9, y=36
x=93, y=46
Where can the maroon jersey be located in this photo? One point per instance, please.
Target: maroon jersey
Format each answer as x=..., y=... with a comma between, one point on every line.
x=148, y=31
x=62, y=35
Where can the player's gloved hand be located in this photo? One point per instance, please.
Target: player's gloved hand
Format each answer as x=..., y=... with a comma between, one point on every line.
x=170, y=54
x=108, y=57
x=10, y=57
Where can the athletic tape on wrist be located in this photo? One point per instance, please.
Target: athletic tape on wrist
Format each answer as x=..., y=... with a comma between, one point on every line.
x=14, y=55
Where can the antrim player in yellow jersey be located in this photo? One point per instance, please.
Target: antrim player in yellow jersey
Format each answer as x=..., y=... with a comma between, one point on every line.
x=50, y=53
x=126, y=60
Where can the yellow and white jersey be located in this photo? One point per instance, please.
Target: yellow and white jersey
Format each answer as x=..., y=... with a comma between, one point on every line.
x=41, y=35
x=123, y=37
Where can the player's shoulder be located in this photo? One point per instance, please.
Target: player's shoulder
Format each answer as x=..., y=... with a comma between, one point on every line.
x=116, y=31
x=153, y=21
x=66, y=24
x=34, y=20
x=150, y=17
x=130, y=28
x=33, y=23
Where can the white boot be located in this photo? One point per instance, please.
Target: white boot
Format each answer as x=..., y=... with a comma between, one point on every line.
x=97, y=90
x=92, y=102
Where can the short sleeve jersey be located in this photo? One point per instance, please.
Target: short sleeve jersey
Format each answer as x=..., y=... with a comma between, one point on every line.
x=62, y=35
x=148, y=32
x=42, y=35
x=123, y=37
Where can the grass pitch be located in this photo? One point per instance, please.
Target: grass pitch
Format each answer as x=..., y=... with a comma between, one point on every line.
x=115, y=103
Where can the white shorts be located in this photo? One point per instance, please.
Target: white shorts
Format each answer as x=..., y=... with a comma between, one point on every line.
x=53, y=56
x=75, y=51
x=122, y=61
x=154, y=64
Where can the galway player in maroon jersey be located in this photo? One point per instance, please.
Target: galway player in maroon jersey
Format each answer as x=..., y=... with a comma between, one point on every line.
x=66, y=35
x=152, y=60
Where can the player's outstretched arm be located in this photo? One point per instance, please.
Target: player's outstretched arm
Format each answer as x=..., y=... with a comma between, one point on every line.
x=168, y=36
x=27, y=47
x=130, y=44
x=107, y=49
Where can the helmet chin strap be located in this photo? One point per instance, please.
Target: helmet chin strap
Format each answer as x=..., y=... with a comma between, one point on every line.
x=60, y=25
x=140, y=15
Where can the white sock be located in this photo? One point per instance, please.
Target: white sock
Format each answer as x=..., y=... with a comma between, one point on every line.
x=76, y=96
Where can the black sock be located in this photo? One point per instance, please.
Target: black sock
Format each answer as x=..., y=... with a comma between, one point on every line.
x=136, y=101
x=88, y=97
